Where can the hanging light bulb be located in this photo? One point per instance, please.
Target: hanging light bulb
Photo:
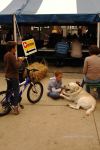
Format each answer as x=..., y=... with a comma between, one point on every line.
x=54, y=30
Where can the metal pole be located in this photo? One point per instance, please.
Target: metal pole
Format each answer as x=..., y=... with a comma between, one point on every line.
x=15, y=31
x=98, y=34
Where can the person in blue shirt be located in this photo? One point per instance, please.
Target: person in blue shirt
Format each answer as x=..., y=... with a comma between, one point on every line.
x=61, y=48
x=55, y=85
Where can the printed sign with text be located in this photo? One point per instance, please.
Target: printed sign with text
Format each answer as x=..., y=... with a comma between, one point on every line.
x=29, y=47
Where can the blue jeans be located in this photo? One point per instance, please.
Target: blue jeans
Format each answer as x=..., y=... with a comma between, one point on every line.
x=60, y=59
x=13, y=84
x=86, y=80
x=53, y=95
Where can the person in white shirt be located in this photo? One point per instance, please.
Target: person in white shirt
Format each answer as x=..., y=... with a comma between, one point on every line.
x=76, y=51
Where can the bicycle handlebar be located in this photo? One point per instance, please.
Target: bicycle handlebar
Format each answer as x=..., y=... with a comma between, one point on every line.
x=31, y=69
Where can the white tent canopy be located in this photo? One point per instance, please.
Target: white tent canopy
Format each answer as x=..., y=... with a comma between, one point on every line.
x=52, y=10
x=49, y=6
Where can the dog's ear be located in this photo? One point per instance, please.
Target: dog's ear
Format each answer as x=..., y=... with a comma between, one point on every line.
x=77, y=82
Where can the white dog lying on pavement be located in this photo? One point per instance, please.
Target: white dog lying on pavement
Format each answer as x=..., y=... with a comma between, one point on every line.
x=80, y=97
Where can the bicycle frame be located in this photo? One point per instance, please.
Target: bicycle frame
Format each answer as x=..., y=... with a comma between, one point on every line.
x=24, y=84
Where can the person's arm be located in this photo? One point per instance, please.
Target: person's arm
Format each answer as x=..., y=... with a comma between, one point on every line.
x=67, y=46
x=56, y=90
x=85, y=67
x=15, y=63
x=52, y=86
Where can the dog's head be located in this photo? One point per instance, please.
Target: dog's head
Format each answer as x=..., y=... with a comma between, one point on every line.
x=73, y=87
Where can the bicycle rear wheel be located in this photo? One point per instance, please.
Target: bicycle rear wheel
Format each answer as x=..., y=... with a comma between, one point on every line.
x=35, y=92
x=4, y=106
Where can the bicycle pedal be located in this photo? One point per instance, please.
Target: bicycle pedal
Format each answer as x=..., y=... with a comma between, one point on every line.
x=21, y=106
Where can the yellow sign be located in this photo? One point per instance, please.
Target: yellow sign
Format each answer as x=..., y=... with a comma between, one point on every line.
x=29, y=47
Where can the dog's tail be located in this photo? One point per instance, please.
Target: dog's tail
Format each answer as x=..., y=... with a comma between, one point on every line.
x=88, y=112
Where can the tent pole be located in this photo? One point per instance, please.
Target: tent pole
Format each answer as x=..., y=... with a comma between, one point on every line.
x=98, y=34
x=15, y=30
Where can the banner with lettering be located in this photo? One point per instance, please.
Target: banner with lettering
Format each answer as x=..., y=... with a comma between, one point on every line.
x=29, y=47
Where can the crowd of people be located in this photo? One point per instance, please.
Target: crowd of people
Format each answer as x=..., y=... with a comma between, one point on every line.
x=91, y=71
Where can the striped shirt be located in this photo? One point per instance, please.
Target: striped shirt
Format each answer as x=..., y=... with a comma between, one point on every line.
x=62, y=47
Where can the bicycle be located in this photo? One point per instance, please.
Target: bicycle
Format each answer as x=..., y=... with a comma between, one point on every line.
x=34, y=93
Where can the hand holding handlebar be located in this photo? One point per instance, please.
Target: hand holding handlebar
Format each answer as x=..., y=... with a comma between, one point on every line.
x=21, y=58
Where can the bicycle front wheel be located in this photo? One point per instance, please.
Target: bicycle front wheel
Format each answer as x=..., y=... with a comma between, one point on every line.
x=4, y=108
x=35, y=92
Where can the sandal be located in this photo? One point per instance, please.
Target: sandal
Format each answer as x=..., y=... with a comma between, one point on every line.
x=15, y=110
